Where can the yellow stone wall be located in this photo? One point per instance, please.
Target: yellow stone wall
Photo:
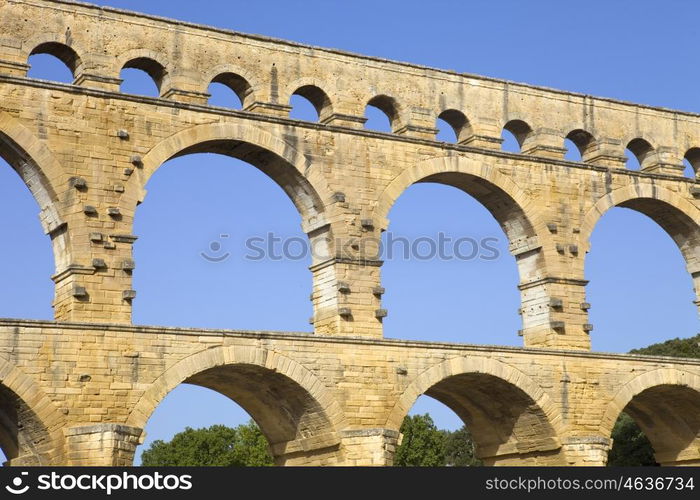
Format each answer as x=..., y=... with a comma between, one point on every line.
x=86, y=384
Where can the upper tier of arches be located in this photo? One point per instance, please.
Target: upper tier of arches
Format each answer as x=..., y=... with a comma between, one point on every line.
x=411, y=107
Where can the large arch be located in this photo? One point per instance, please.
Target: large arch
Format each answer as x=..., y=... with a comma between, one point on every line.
x=508, y=204
x=30, y=424
x=665, y=403
x=275, y=157
x=483, y=182
x=675, y=214
x=296, y=412
x=42, y=174
x=512, y=419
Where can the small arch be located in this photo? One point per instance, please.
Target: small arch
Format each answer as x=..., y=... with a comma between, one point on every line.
x=639, y=152
x=692, y=156
x=318, y=99
x=389, y=107
x=519, y=130
x=583, y=142
x=63, y=53
x=155, y=70
x=457, y=121
x=238, y=85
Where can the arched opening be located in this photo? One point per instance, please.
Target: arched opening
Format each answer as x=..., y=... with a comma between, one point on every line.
x=295, y=424
x=578, y=143
x=447, y=252
x=24, y=439
x=638, y=153
x=214, y=422
x=514, y=134
x=639, y=289
x=500, y=197
x=508, y=424
x=435, y=436
x=452, y=126
x=229, y=90
x=382, y=113
x=310, y=103
x=691, y=163
x=240, y=254
x=669, y=417
x=142, y=76
x=28, y=257
x=53, y=61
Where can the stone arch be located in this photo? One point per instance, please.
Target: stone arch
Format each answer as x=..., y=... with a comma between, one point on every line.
x=152, y=62
x=295, y=410
x=458, y=121
x=30, y=424
x=42, y=174
x=64, y=47
x=521, y=129
x=313, y=90
x=246, y=86
x=275, y=157
x=529, y=241
x=513, y=420
x=675, y=214
x=693, y=157
x=583, y=140
x=391, y=107
x=643, y=150
x=665, y=403
x=496, y=191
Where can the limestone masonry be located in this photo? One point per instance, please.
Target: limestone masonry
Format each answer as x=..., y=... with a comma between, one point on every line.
x=79, y=390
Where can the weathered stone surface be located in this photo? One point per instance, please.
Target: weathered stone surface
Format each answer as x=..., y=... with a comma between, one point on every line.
x=334, y=400
x=79, y=390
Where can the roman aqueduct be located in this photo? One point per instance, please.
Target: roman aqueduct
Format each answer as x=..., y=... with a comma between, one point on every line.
x=79, y=390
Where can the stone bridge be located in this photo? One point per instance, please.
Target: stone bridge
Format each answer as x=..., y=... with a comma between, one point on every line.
x=80, y=389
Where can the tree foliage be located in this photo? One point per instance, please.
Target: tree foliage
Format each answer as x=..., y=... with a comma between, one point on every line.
x=423, y=444
x=630, y=445
x=460, y=450
x=217, y=445
x=680, y=348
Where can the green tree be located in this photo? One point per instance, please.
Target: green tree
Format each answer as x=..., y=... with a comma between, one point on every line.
x=680, y=348
x=422, y=445
x=630, y=445
x=251, y=447
x=217, y=445
x=460, y=448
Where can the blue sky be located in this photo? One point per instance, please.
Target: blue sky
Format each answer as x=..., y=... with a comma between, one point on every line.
x=639, y=288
